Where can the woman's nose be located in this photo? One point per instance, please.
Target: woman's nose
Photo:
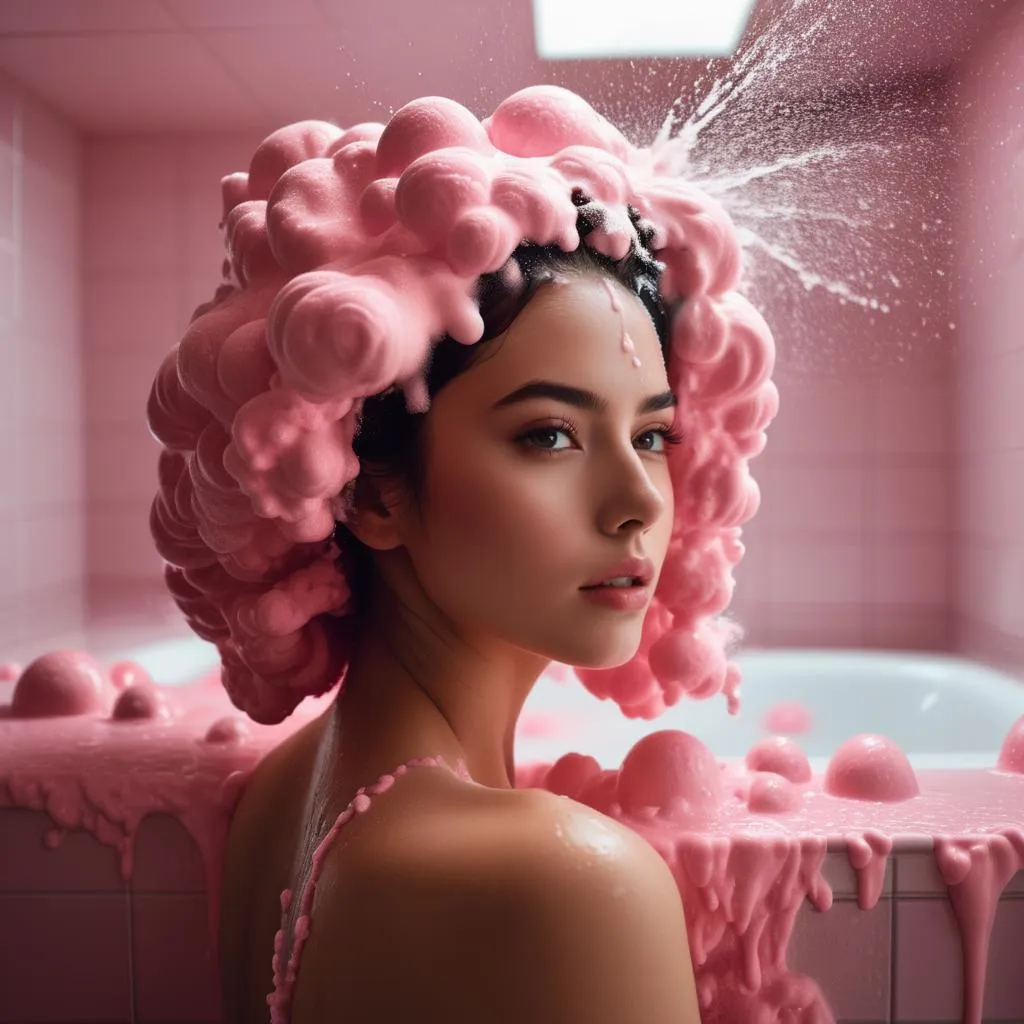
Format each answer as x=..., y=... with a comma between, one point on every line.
x=633, y=501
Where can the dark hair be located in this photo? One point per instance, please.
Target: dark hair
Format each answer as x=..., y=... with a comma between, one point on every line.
x=389, y=439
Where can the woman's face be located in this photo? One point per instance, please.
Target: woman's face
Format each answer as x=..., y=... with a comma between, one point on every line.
x=534, y=491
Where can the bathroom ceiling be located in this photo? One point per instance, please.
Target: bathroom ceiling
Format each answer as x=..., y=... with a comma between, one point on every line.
x=166, y=65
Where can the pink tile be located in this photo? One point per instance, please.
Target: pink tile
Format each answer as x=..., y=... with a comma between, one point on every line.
x=171, y=944
x=1004, y=992
x=818, y=571
x=10, y=284
x=51, y=185
x=54, y=472
x=813, y=497
x=847, y=951
x=909, y=572
x=842, y=878
x=910, y=499
x=918, y=875
x=230, y=13
x=10, y=108
x=121, y=466
x=166, y=858
x=79, y=864
x=912, y=417
x=908, y=627
x=64, y=16
x=64, y=958
x=51, y=371
x=52, y=551
x=1015, y=381
x=117, y=384
x=927, y=982
x=144, y=167
x=131, y=235
x=119, y=543
x=1007, y=597
x=817, y=624
x=127, y=312
x=821, y=416
x=10, y=552
x=72, y=73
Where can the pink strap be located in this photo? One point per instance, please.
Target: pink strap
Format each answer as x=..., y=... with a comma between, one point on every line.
x=280, y=999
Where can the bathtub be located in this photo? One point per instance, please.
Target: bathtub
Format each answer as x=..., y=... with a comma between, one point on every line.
x=897, y=961
x=943, y=712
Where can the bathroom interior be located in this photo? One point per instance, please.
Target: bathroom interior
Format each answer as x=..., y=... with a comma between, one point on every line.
x=872, y=157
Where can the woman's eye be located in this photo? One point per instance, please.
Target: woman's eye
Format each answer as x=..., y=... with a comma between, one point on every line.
x=547, y=438
x=651, y=441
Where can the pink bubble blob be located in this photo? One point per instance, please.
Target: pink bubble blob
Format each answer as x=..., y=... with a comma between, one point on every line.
x=141, y=702
x=571, y=774
x=782, y=756
x=60, y=683
x=1011, y=756
x=674, y=772
x=227, y=730
x=9, y=672
x=788, y=718
x=128, y=673
x=869, y=767
x=772, y=794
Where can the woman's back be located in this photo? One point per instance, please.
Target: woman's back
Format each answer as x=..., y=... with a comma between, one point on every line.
x=448, y=901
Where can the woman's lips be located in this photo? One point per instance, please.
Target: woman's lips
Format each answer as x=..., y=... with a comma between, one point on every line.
x=624, y=599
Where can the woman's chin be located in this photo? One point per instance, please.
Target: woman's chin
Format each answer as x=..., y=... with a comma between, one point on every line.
x=604, y=652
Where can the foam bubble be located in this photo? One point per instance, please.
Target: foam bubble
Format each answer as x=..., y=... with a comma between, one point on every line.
x=673, y=772
x=1011, y=756
x=61, y=683
x=869, y=767
x=780, y=755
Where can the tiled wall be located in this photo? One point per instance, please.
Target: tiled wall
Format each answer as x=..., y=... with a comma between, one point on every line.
x=852, y=544
x=42, y=494
x=990, y=359
x=152, y=253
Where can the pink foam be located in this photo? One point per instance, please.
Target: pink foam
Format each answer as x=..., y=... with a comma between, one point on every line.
x=871, y=768
x=746, y=847
x=788, y=718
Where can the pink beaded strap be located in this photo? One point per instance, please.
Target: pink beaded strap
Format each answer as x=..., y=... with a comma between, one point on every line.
x=280, y=999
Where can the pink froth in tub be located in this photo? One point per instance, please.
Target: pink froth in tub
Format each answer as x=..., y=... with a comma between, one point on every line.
x=866, y=869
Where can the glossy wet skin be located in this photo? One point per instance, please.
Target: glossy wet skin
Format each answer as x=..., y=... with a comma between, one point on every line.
x=525, y=502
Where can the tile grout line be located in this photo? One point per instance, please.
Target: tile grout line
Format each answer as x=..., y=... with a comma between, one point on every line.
x=131, y=955
x=893, y=939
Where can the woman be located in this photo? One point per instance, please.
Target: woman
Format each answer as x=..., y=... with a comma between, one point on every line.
x=513, y=503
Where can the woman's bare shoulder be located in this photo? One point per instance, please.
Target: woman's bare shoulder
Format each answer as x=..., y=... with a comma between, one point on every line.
x=534, y=907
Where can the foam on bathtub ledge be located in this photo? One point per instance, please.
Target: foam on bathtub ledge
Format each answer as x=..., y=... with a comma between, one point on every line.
x=744, y=875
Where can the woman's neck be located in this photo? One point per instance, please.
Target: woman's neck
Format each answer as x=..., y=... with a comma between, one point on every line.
x=414, y=688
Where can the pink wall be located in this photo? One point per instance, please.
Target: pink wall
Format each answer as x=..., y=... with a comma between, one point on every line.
x=152, y=253
x=843, y=553
x=42, y=492
x=989, y=512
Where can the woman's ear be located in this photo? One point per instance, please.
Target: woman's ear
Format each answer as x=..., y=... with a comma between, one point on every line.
x=373, y=513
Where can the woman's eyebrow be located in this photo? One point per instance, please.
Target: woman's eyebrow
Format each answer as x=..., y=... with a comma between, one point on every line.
x=579, y=397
